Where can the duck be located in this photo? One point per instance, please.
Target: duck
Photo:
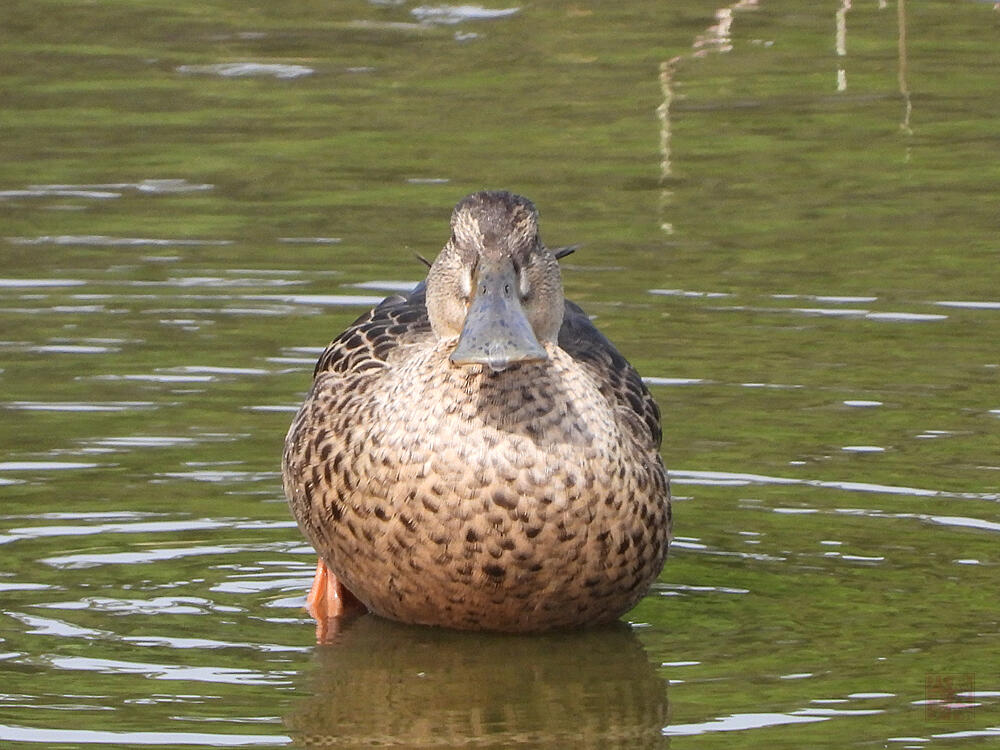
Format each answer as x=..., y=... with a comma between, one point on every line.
x=475, y=454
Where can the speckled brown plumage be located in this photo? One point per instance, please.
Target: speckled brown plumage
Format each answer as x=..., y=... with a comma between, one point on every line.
x=527, y=498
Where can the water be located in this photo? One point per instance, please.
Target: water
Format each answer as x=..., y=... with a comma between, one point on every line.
x=789, y=224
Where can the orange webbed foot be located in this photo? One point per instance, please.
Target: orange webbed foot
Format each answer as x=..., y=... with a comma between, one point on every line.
x=328, y=601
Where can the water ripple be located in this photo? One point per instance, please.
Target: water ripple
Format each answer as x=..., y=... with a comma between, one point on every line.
x=45, y=465
x=107, y=190
x=33, y=283
x=15, y=586
x=310, y=240
x=72, y=349
x=454, y=14
x=92, y=560
x=218, y=475
x=739, y=722
x=335, y=300
x=230, y=675
x=244, y=69
x=215, y=282
x=725, y=478
x=54, y=193
x=16, y=733
x=688, y=293
x=101, y=240
x=54, y=627
x=968, y=305
x=385, y=285
x=80, y=406
x=138, y=527
x=157, y=605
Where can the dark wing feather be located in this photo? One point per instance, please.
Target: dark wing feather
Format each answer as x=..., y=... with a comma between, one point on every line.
x=616, y=378
x=367, y=343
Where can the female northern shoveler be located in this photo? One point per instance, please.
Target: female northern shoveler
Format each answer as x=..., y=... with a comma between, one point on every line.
x=476, y=454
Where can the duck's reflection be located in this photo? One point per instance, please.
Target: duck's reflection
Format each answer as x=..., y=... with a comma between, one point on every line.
x=380, y=684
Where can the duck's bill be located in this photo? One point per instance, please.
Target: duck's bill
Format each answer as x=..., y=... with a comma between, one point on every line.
x=496, y=332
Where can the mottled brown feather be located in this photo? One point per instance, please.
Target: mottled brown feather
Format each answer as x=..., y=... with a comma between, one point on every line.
x=522, y=500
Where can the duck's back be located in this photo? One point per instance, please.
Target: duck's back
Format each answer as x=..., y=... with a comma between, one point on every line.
x=520, y=500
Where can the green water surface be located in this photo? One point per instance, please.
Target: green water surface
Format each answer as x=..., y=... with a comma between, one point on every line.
x=789, y=222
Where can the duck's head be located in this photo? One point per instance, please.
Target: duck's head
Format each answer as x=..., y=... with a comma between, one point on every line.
x=495, y=286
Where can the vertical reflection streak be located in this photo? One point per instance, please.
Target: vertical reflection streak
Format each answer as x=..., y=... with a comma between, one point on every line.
x=904, y=88
x=716, y=38
x=845, y=6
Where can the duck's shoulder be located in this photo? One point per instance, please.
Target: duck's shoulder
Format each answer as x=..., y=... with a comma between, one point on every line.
x=369, y=341
x=617, y=380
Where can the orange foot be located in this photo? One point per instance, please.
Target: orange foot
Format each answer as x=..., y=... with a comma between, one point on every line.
x=328, y=601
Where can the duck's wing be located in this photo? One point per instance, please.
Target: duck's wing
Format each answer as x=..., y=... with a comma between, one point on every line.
x=368, y=342
x=616, y=378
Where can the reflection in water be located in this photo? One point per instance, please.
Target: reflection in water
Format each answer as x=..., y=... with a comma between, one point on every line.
x=845, y=6
x=716, y=38
x=841, y=47
x=381, y=683
x=904, y=88
x=667, y=71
